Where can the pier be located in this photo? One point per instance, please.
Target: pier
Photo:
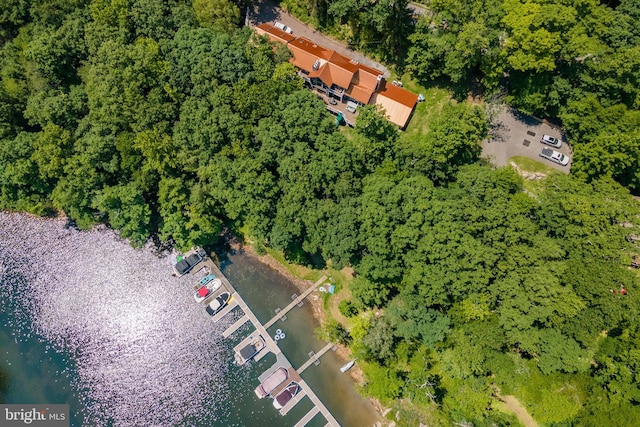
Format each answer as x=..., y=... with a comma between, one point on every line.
x=304, y=420
x=315, y=357
x=236, y=325
x=271, y=346
x=280, y=314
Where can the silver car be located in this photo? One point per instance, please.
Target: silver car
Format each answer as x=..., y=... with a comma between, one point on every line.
x=555, y=156
x=551, y=140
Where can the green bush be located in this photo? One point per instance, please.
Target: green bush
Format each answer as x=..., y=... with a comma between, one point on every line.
x=347, y=308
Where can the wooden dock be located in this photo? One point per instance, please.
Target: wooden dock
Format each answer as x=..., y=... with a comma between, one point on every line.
x=315, y=357
x=272, y=346
x=236, y=325
x=295, y=302
x=308, y=417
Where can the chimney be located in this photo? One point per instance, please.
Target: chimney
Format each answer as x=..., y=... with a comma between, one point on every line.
x=378, y=82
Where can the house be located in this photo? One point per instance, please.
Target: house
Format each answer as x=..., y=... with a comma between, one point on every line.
x=341, y=79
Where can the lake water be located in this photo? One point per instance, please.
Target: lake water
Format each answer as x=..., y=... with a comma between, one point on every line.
x=87, y=320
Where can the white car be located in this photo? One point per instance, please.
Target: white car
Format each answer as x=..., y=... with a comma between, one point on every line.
x=555, y=156
x=551, y=140
x=283, y=27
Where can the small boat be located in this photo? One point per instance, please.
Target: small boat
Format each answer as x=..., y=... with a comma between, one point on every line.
x=207, y=288
x=348, y=366
x=217, y=304
x=273, y=381
x=185, y=263
x=286, y=395
x=250, y=350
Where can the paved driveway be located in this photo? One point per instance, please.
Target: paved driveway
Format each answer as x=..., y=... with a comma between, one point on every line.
x=268, y=11
x=515, y=134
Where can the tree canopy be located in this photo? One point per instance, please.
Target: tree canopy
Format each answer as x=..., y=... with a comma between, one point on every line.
x=165, y=118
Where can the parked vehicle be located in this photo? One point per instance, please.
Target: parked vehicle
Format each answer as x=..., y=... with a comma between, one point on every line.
x=551, y=140
x=555, y=156
x=283, y=27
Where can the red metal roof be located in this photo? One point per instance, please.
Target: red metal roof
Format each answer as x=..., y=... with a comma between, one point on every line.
x=364, y=84
x=274, y=34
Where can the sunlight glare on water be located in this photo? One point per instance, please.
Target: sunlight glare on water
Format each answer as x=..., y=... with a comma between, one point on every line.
x=145, y=353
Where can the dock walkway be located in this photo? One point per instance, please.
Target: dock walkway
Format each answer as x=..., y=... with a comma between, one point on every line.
x=295, y=302
x=304, y=420
x=272, y=346
x=315, y=357
x=236, y=325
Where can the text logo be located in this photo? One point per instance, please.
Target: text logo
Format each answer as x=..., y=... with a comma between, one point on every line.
x=34, y=415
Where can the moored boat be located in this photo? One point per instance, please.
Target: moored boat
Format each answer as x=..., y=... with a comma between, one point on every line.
x=208, y=287
x=348, y=366
x=247, y=352
x=272, y=381
x=218, y=304
x=185, y=263
x=286, y=395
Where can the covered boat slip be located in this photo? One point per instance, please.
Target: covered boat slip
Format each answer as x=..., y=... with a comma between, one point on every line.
x=251, y=347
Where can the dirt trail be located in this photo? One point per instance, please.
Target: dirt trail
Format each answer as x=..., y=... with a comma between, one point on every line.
x=520, y=411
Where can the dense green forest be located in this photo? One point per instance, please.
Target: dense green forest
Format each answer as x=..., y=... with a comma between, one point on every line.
x=167, y=118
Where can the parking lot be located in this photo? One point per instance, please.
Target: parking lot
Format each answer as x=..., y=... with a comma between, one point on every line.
x=515, y=134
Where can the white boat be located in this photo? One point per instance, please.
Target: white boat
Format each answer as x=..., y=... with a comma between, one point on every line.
x=207, y=288
x=250, y=350
x=348, y=366
x=286, y=395
x=272, y=382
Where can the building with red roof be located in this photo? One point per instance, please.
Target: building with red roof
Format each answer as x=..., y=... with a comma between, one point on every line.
x=343, y=79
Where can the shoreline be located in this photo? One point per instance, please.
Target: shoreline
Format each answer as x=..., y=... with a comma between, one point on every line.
x=319, y=313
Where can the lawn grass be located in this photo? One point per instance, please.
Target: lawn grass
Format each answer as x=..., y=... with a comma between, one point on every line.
x=434, y=99
x=299, y=271
x=525, y=164
x=532, y=166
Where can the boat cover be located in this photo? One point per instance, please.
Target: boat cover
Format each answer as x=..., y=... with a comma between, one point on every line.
x=248, y=351
x=182, y=266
